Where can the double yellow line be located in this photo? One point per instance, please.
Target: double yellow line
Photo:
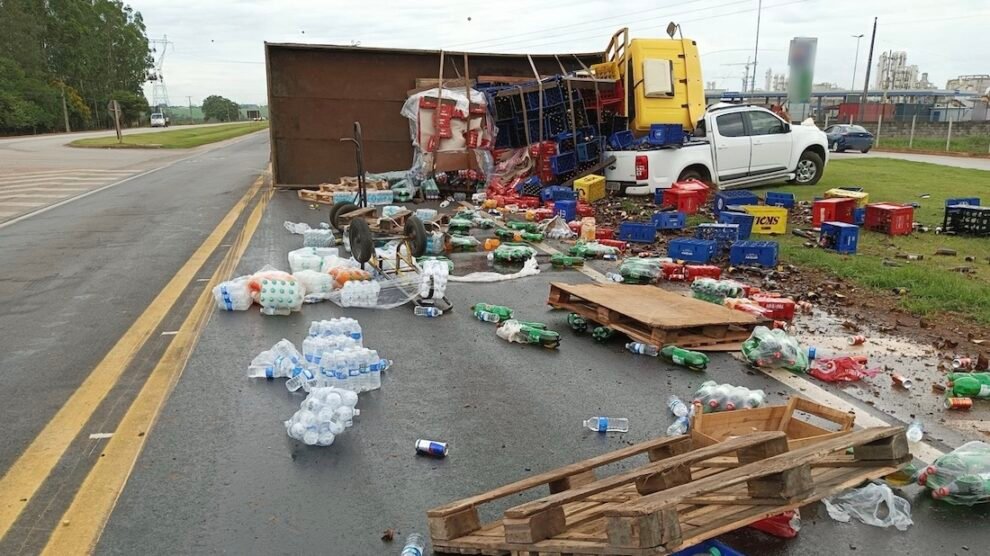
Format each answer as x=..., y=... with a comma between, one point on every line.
x=83, y=521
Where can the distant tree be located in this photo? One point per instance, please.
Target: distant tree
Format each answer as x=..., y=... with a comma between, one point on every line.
x=216, y=107
x=133, y=105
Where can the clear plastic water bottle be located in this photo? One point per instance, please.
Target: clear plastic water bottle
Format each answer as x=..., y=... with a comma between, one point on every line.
x=643, y=349
x=607, y=424
x=353, y=372
x=431, y=312
x=915, y=432
x=281, y=361
x=676, y=406
x=680, y=426
x=374, y=365
x=343, y=378
x=486, y=316
x=615, y=277
x=415, y=545
x=297, y=382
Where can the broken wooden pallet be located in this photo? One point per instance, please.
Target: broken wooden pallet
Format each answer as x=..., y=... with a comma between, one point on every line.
x=680, y=498
x=653, y=315
x=314, y=196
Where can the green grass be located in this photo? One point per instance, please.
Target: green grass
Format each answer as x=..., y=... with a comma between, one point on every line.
x=174, y=138
x=933, y=288
x=962, y=144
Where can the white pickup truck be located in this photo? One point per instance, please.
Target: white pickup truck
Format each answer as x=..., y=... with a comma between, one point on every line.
x=732, y=146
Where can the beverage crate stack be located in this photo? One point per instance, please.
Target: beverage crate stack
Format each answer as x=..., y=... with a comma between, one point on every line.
x=734, y=198
x=723, y=234
x=967, y=217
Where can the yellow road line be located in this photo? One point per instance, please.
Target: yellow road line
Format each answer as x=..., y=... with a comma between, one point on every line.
x=83, y=522
x=22, y=480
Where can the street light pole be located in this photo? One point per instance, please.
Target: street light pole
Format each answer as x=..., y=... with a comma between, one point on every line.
x=869, y=64
x=756, y=49
x=855, y=59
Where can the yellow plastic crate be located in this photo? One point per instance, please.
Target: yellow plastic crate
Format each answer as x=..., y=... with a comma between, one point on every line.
x=862, y=198
x=590, y=188
x=606, y=70
x=768, y=220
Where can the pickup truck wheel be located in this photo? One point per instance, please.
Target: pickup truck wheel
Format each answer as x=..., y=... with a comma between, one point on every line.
x=693, y=175
x=809, y=169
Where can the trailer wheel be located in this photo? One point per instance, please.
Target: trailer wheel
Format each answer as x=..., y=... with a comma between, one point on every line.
x=343, y=207
x=359, y=235
x=416, y=232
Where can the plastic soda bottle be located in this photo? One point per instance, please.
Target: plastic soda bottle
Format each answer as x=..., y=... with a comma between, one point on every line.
x=642, y=349
x=415, y=544
x=431, y=312
x=676, y=406
x=969, y=387
x=679, y=426
x=915, y=432
x=686, y=358
x=560, y=260
x=503, y=312
x=577, y=322
x=607, y=424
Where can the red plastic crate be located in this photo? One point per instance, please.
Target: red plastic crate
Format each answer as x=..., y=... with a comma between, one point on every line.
x=781, y=308
x=698, y=187
x=682, y=200
x=604, y=233
x=584, y=209
x=673, y=272
x=575, y=226
x=894, y=220
x=544, y=213
x=695, y=271
x=835, y=209
x=620, y=245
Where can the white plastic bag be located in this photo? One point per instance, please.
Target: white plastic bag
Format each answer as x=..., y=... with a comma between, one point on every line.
x=433, y=284
x=874, y=504
x=530, y=268
x=557, y=228
x=233, y=295
x=296, y=227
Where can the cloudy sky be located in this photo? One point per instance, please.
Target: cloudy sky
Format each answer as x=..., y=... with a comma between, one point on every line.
x=219, y=43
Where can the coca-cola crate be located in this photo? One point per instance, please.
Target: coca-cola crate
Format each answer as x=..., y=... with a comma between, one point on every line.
x=894, y=220
x=834, y=209
x=695, y=271
x=682, y=200
x=585, y=209
x=602, y=232
x=781, y=308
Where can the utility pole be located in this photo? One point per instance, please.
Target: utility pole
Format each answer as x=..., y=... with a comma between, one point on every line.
x=869, y=64
x=190, y=109
x=855, y=59
x=756, y=49
x=65, y=110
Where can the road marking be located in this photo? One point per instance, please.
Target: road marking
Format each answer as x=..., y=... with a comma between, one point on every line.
x=172, y=332
x=54, y=187
x=923, y=451
x=49, y=179
x=100, y=435
x=41, y=173
x=87, y=515
x=22, y=480
x=33, y=195
x=20, y=204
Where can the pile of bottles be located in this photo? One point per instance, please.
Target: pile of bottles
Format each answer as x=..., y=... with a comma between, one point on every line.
x=715, y=291
x=523, y=332
x=593, y=250
x=640, y=270
x=775, y=348
x=341, y=326
x=233, y=295
x=322, y=237
x=486, y=312
x=322, y=416
x=513, y=252
x=360, y=293
x=280, y=296
x=464, y=243
x=961, y=477
x=715, y=397
x=433, y=278
x=682, y=416
x=282, y=361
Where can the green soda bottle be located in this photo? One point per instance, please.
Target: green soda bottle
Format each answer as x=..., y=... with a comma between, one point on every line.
x=505, y=235
x=530, y=324
x=503, y=312
x=531, y=236
x=579, y=249
x=459, y=224
x=523, y=226
x=693, y=360
x=546, y=338
x=561, y=260
x=969, y=387
x=983, y=378
x=602, y=334
x=577, y=322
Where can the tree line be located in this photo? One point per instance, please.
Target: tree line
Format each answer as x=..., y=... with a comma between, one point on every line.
x=66, y=59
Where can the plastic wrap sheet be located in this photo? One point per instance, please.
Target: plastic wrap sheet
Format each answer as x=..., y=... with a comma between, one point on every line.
x=394, y=292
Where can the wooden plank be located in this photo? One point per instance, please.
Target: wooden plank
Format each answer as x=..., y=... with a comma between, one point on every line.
x=841, y=418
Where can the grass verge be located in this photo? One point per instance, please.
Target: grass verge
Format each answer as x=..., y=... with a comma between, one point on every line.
x=174, y=138
x=934, y=288
x=979, y=145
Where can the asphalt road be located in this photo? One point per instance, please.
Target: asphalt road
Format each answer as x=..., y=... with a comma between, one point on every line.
x=219, y=474
x=955, y=161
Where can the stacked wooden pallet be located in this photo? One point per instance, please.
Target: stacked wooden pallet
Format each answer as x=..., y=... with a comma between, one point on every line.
x=681, y=497
x=325, y=191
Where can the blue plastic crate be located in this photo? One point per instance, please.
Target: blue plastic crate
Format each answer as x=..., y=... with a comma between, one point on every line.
x=776, y=199
x=971, y=201
x=637, y=232
x=553, y=96
x=724, y=234
x=705, y=549
x=669, y=220
x=763, y=253
x=692, y=250
x=589, y=150
x=621, y=140
x=566, y=209
x=725, y=199
x=557, y=193
x=744, y=220
x=839, y=236
x=859, y=216
x=563, y=163
x=665, y=134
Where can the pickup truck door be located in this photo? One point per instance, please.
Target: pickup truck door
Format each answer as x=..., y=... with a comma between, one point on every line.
x=732, y=146
x=771, y=140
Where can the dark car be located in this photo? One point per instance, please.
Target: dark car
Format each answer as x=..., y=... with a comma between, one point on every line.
x=847, y=136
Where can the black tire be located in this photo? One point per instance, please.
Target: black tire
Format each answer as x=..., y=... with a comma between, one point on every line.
x=691, y=174
x=866, y=150
x=359, y=235
x=416, y=232
x=342, y=207
x=809, y=168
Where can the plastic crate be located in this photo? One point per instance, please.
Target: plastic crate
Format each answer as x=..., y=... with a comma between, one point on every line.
x=834, y=209
x=768, y=220
x=775, y=199
x=557, y=193
x=590, y=188
x=692, y=250
x=839, y=236
x=859, y=216
x=861, y=197
x=637, y=232
x=724, y=234
x=563, y=163
x=681, y=200
x=694, y=271
x=588, y=151
x=566, y=209
x=698, y=187
x=893, y=220
x=376, y=198
x=971, y=201
x=665, y=134
x=762, y=253
x=621, y=140
x=669, y=220
x=968, y=220
x=743, y=220
x=780, y=308
x=725, y=199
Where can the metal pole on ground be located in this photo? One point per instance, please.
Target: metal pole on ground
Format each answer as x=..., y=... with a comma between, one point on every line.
x=948, y=136
x=911, y=137
x=879, y=125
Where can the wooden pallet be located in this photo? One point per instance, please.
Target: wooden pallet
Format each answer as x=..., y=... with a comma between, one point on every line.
x=653, y=315
x=680, y=498
x=315, y=196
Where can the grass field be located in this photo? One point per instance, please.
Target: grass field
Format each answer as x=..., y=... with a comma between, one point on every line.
x=962, y=144
x=933, y=287
x=174, y=138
